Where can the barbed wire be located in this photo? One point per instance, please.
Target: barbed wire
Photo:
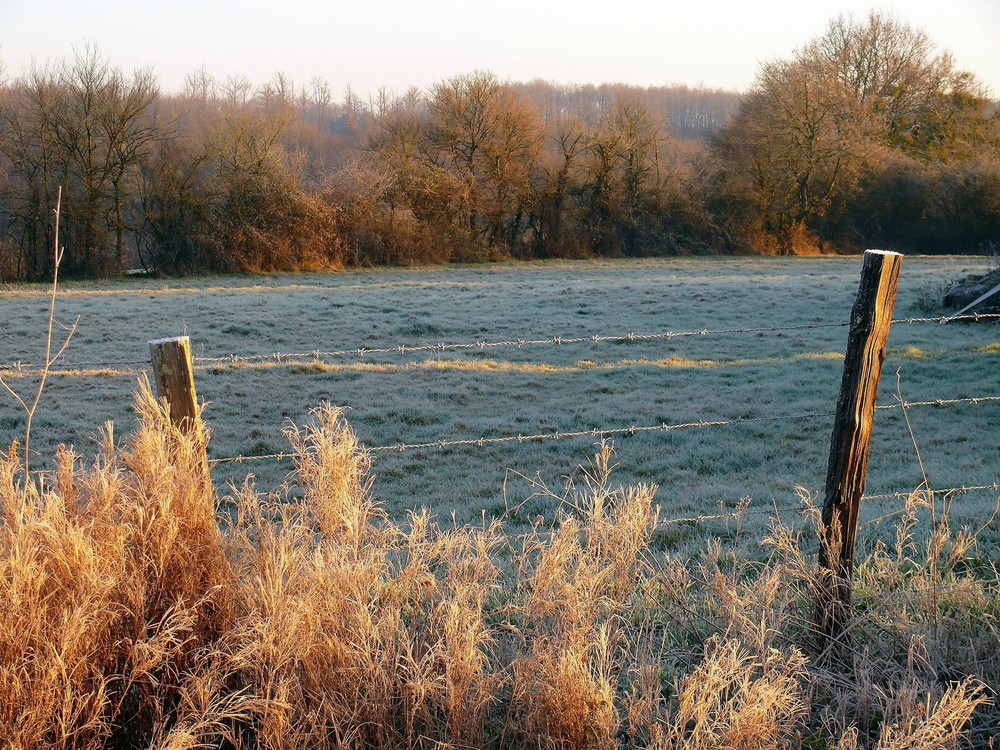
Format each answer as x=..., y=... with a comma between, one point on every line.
x=519, y=343
x=600, y=433
x=30, y=369
x=968, y=586
x=597, y=433
x=739, y=513
x=995, y=487
x=975, y=400
x=319, y=354
x=975, y=317
x=731, y=515
x=552, y=341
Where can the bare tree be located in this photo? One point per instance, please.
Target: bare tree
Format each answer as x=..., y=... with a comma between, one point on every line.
x=104, y=130
x=85, y=125
x=200, y=86
x=813, y=125
x=322, y=97
x=353, y=107
x=284, y=90
x=804, y=139
x=35, y=165
x=558, y=174
x=236, y=91
x=623, y=177
x=486, y=137
x=895, y=71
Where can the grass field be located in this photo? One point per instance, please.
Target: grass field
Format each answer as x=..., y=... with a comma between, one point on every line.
x=135, y=612
x=427, y=396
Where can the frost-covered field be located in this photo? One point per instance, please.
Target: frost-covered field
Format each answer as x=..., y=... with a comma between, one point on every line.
x=505, y=391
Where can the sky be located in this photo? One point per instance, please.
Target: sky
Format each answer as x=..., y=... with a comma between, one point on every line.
x=396, y=44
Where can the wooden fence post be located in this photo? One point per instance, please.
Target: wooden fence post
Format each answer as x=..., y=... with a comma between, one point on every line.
x=173, y=374
x=850, y=444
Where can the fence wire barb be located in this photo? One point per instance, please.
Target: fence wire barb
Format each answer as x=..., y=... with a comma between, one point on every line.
x=732, y=515
x=600, y=433
x=519, y=343
x=595, y=432
x=560, y=340
x=22, y=367
x=361, y=351
x=995, y=487
x=975, y=400
x=949, y=319
x=777, y=510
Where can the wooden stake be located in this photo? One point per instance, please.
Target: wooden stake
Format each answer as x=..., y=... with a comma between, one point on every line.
x=174, y=377
x=850, y=444
x=173, y=374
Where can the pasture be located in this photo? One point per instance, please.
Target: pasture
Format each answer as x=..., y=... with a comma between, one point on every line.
x=429, y=396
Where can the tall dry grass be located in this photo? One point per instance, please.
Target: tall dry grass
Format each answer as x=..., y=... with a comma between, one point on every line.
x=139, y=610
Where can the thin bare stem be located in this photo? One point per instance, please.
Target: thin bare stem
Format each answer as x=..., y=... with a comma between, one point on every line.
x=57, y=253
x=913, y=438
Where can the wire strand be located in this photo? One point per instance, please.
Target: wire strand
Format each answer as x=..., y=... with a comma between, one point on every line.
x=20, y=367
x=995, y=487
x=519, y=343
x=599, y=433
x=317, y=354
x=777, y=510
x=556, y=341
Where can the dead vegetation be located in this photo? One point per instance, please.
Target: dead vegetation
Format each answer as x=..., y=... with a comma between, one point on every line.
x=137, y=613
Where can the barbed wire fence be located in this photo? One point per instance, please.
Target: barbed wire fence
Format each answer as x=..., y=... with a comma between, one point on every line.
x=102, y=368
x=599, y=433
x=360, y=352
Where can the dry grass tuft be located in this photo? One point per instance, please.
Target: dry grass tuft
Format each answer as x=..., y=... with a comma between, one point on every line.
x=136, y=613
x=578, y=586
x=734, y=699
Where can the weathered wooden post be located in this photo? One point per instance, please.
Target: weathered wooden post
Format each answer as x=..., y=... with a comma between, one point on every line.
x=850, y=444
x=173, y=374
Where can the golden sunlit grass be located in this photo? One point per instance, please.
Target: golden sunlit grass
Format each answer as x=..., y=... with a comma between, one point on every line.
x=139, y=612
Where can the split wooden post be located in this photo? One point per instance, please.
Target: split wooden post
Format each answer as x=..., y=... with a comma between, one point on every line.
x=173, y=374
x=850, y=444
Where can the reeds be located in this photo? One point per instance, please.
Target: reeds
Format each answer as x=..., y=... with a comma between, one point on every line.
x=137, y=609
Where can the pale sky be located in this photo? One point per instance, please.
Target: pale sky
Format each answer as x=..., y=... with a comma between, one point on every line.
x=399, y=43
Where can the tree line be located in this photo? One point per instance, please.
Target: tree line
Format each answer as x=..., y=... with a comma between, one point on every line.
x=865, y=136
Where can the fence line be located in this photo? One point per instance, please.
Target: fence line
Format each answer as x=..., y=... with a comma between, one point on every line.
x=30, y=369
x=600, y=433
x=554, y=341
x=777, y=510
x=950, y=490
x=732, y=515
x=975, y=400
x=317, y=354
x=774, y=510
x=594, y=432
x=519, y=343
x=948, y=319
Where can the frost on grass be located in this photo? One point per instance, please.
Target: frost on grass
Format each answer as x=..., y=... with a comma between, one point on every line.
x=529, y=390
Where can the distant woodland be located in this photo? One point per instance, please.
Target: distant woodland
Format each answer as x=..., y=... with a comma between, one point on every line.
x=866, y=136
